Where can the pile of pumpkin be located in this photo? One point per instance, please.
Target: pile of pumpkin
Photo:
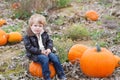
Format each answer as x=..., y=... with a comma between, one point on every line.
x=94, y=62
x=11, y=37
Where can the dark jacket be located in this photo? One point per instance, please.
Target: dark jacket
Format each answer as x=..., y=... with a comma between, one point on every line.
x=32, y=46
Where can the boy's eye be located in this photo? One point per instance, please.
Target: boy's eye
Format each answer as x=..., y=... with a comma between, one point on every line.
x=35, y=25
x=38, y=25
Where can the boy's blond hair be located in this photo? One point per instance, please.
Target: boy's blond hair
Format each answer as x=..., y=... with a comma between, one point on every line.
x=37, y=18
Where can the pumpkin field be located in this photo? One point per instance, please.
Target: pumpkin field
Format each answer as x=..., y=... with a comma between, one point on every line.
x=86, y=36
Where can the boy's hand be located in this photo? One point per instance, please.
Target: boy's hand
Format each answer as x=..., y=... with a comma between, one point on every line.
x=43, y=52
x=48, y=51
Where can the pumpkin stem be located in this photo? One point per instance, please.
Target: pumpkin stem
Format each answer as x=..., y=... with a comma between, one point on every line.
x=98, y=47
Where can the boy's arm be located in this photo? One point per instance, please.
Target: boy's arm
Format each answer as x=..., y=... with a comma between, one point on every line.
x=49, y=43
x=29, y=47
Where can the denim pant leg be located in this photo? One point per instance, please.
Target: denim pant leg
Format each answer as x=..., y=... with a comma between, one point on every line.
x=44, y=61
x=56, y=62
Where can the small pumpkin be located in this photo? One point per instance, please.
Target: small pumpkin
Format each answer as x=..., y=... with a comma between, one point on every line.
x=2, y=22
x=14, y=37
x=92, y=15
x=117, y=58
x=75, y=52
x=3, y=37
x=3, y=40
x=16, y=5
x=36, y=70
x=97, y=62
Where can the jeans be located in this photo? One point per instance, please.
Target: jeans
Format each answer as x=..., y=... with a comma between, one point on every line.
x=44, y=61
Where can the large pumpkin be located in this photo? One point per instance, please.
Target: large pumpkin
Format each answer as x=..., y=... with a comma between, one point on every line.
x=36, y=70
x=14, y=37
x=91, y=15
x=97, y=62
x=117, y=58
x=76, y=52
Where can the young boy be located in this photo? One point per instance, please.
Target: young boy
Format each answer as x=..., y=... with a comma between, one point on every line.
x=39, y=47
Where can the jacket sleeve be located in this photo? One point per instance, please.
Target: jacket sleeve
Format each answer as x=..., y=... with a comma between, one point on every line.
x=29, y=47
x=49, y=43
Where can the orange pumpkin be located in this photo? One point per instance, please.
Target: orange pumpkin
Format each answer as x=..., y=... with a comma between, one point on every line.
x=92, y=15
x=2, y=22
x=3, y=37
x=14, y=37
x=16, y=5
x=97, y=62
x=117, y=58
x=36, y=70
x=3, y=40
x=75, y=52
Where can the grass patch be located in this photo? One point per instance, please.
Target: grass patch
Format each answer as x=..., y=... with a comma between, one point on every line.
x=106, y=3
x=59, y=21
x=3, y=67
x=101, y=43
x=62, y=46
x=63, y=3
x=108, y=17
x=96, y=34
x=17, y=27
x=59, y=36
x=117, y=38
x=16, y=71
x=99, y=23
x=76, y=31
x=28, y=7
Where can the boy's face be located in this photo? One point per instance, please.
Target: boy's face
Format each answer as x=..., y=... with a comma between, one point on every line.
x=36, y=28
